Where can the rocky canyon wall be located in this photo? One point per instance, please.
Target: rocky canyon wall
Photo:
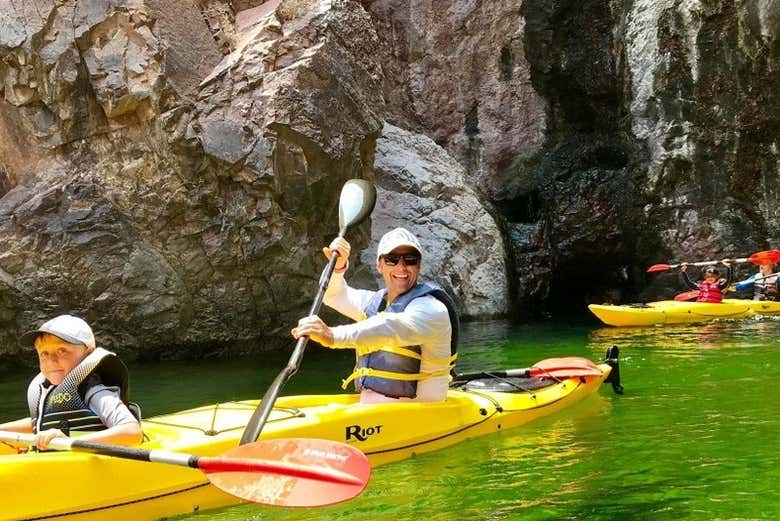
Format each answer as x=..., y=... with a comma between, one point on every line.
x=169, y=169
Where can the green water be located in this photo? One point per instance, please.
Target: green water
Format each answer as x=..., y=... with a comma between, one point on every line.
x=695, y=436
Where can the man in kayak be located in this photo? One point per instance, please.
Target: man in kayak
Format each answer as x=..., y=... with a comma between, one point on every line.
x=81, y=387
x=763, y=283
x=712, y=287
x=406, y=334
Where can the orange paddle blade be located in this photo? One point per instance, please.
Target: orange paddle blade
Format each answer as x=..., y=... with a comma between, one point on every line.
x=765, y=257
x=565, y=367
x=658, y=267
x=687, y=295
x=307, y=486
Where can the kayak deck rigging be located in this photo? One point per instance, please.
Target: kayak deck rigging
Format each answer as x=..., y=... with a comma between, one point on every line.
x=215, y=412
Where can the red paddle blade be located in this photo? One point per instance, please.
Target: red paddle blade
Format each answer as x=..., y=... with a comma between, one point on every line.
x=765, y=257
x=292, y=472
x=687, y=295
x=565, y=367
x=658, y=267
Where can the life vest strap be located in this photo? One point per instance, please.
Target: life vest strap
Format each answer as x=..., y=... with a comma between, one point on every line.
x=404, y=351
x=390, y=375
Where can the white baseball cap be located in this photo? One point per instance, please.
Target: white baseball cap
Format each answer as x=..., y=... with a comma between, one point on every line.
x=72, y=330
x=395, y=238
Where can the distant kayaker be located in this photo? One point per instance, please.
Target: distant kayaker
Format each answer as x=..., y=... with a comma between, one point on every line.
x=712, y=287
x=763, y=283
x=81, y=387
x=406, y=334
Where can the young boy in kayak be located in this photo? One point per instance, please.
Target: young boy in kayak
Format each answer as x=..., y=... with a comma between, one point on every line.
x=80, y=388
x=405, y=336
x=712, y=287
x=763, y=283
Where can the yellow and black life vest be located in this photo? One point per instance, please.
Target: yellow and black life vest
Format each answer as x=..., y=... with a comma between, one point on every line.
x=395, y=371
x=64, y=407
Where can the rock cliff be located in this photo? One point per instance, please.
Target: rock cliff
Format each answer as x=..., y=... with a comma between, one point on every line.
x=169, y=169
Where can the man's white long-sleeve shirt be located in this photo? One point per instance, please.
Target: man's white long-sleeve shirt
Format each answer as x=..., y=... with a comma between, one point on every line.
x=424, y=322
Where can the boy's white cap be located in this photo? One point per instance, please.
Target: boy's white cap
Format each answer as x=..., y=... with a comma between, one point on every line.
x=71, y=329
x=395, y=238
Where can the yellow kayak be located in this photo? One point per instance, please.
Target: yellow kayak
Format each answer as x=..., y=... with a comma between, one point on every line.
x=765, y=307
x=81, y=486
x=676, y=312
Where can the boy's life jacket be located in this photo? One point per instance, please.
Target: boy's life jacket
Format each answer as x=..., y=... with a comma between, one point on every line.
x=63, y=406
x=710, y=292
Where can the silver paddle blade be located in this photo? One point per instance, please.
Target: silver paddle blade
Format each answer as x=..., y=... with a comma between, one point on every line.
x=356, y=202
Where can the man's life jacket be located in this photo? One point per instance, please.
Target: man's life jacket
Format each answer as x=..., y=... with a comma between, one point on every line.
x=395, y=371
x=63, y=406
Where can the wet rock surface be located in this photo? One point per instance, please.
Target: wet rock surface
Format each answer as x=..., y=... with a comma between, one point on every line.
x=169, y=169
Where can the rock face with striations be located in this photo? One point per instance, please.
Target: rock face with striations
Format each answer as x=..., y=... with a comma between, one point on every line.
x=607, y=135
x=169, y=169
x=174, y=196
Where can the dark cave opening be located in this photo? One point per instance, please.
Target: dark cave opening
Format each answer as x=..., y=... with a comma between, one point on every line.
x=589, y=280
x=524, y=209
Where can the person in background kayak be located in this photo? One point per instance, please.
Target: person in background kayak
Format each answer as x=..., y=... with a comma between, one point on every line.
x=81, y=387
x=405, y=337
x=763, y=283
x=712, y=287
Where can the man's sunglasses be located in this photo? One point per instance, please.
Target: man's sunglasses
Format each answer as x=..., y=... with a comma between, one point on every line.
x=410, y=259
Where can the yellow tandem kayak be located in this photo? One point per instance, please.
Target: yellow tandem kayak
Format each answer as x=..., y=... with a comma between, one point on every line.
x=81, y=486
x=676, y=312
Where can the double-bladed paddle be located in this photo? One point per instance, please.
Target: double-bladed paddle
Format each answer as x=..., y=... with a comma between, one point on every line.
x=655, y=268
x=758, y=258
x=290, y=472
x=355, y=204
x=566, y=367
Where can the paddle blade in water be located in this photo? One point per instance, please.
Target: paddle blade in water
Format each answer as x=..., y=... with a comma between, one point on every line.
x=658, y=267
x=303, y=479
x=565, y=367
x=765, y=257
x=687, y=295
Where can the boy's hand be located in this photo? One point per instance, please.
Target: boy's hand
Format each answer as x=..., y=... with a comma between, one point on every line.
x=43, y=438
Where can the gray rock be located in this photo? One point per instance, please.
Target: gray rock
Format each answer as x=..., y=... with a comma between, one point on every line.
x=180, y=216
x=424, y=189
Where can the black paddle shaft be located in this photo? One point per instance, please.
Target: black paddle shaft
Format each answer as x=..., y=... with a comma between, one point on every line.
x=135, y=453
x=260, y=415
x=356, y=202
x=465, y=377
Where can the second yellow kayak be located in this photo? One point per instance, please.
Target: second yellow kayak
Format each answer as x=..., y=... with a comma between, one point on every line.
x=675, y=312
